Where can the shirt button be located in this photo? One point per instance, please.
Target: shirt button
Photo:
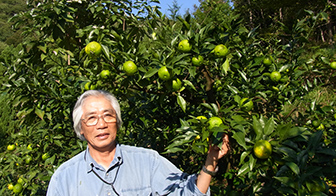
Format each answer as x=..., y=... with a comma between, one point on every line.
x=107, y=174
x=109, y=193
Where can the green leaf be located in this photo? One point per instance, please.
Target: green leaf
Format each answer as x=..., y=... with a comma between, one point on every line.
x=69, y=18
x=39, y=113
x=150, y=73
x=283, y=180
x=243, y=74
x=106, y=51
x=269, y=126
x=288, y=152
x=173, y=42
x=233, y=89
x=293, y=167
x=42, y=48
x=190, y=84
x=314, y=140
x=244, y=169
x=252, y=162
x=257, y=127
x=240, y=138
x=286, y=132
x=173, y=150
x=182, y=102
x=226, y=66
x=58, y=143
x=243, y=156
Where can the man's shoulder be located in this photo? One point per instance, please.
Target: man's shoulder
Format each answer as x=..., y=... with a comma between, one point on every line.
x=71, y=163
x=138, y=150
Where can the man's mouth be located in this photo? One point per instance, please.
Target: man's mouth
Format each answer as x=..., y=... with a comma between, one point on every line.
x=102, y=135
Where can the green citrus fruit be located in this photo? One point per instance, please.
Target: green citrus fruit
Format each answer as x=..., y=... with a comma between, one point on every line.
x=177, y=84
x=262, y=149
x=320, y=127
x=164, y=73
x=245, y=104
x=93, y=87
x=45, y=156
x=130, y=68
x=184, y=46
x=197, y=60
x=11, y=147
x=275, y=76
x=28, y=159
x=29, y=147
x=17, y=188
x=214, y=122
x=20, y=181
x=221, y=50
x=201, y=117
x=316, y=123
x=267, y=61
x=10, y=186
x=333, y=65
x=93, y=49
x=105, y=74
x=87, y=86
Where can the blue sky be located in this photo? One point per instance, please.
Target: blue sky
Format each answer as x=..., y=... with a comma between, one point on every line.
x=185, y=4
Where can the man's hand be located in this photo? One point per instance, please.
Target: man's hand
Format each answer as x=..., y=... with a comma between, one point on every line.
x=214, y=154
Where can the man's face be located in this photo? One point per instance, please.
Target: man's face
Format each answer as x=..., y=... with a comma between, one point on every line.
x=102, y=136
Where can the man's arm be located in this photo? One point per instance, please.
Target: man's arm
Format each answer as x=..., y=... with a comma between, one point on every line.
x=214, y=154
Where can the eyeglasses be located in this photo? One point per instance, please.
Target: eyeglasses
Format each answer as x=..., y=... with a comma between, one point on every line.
x=92, y=120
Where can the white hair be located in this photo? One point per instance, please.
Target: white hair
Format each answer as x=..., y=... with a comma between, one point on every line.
x=78, y=111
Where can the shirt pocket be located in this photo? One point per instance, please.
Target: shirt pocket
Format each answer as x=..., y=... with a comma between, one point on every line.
x=141, y=191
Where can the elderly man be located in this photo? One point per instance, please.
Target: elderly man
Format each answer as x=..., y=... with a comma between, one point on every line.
x=109, y=168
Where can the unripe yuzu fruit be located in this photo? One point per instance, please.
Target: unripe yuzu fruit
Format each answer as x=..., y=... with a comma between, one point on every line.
x=197, y=60
x=275, y=76
x=164, y=73
x=184, y=46
x=93, y=49
x=214, y=122
x=221, y=50
x=130, y=68
x=245, y=104
x=262, y=149
x=177, y=84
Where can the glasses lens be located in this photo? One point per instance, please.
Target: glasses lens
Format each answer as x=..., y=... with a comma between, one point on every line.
x=109, y=118
x=93, y=120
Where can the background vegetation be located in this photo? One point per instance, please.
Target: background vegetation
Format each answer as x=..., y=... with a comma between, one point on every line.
x=46, y=71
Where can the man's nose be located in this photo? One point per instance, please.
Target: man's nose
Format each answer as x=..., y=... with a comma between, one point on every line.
x=101, y=122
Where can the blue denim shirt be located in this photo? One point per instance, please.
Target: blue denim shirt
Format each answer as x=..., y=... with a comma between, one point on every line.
x=133, y=171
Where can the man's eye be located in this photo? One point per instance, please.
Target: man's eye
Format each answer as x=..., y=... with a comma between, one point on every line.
x=91, y=118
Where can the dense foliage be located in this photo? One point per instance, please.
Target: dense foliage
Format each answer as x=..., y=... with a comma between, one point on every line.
x=9, y=36
x=45, y=75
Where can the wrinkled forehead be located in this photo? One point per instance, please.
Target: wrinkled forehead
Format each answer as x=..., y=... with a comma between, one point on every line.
x=96, y=104
x=104, y=111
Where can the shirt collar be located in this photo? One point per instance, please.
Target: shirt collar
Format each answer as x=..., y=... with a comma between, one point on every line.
x=90, y=162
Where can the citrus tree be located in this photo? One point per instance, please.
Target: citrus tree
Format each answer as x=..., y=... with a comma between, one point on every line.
x=182, y=85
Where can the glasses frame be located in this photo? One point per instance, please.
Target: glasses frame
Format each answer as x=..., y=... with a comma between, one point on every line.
x=100, y=116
